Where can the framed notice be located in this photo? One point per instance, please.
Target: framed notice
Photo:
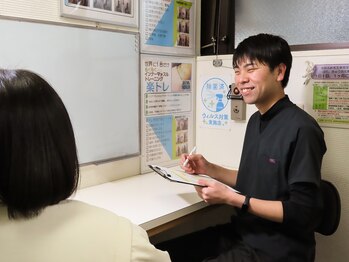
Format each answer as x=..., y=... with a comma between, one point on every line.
x=330, y=88
x=119, y=12
x=168, y=27
x=167, y=105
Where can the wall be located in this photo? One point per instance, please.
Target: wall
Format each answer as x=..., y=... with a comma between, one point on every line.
x=228, y=141
x=224, y=146
x=301, y=22
x=48, y=11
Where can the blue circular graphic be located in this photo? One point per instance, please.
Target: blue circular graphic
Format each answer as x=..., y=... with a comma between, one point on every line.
x=214, y=94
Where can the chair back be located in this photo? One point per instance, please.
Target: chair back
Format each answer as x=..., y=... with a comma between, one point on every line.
x=331, y=209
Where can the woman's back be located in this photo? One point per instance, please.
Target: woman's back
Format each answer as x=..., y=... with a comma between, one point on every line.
x=39, y=170
x=74, y=231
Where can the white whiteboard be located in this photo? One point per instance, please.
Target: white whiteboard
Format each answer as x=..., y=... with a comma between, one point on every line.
x=95, y=72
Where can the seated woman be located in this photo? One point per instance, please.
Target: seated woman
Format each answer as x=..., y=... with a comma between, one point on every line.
x=39, y=170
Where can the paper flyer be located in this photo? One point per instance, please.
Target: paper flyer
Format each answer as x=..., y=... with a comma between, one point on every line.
x=331, y=94
x=167, y=27
x=167, y=108
x=214, y=105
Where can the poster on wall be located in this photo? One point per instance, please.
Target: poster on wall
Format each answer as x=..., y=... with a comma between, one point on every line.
x=167, y=105
x=168, y=27
x=331, y=94
x=214, y=105
x=118, y=12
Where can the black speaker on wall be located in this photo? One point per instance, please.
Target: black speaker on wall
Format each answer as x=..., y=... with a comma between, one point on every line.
x=217, y=27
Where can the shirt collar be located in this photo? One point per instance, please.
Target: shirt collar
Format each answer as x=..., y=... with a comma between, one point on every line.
x=276, y=108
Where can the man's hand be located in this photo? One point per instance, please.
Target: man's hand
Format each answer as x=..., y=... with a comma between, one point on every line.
x=214, y=192
x=197, y=164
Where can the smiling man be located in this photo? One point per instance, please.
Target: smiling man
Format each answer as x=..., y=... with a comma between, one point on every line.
x=279, y=174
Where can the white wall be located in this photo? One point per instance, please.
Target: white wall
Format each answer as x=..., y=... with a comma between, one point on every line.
x=224, y=146
x=221, y=146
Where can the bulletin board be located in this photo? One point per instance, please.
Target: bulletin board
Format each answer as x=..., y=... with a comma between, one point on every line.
x=168, y=27
x=167, y=109
x=96, y=73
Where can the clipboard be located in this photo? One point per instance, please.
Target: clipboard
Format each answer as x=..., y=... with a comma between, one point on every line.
x=179, y=176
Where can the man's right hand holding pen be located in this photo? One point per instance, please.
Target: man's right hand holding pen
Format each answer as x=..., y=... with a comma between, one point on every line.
x=213, y=192
x=194, y=164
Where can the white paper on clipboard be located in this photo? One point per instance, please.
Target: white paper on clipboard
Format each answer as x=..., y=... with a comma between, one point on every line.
x=179, y=176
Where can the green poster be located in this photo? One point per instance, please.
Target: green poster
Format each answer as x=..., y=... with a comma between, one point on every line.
x=320, y=97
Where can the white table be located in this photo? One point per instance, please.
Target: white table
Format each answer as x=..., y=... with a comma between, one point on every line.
x=147, y=200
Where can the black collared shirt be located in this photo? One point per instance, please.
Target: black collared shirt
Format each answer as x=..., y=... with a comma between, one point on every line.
x=281, y=161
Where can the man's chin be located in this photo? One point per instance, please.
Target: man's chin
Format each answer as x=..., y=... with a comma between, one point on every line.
x=248, y=100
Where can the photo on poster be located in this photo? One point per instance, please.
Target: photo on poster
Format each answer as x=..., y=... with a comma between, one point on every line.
x=183, y=22
x=181, y=135
x=181, y=77
x=118, y=12
x=124, y=6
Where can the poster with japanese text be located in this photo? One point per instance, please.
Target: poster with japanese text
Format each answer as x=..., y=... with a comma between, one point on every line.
x=330, y=86
x=214, y=104
x=167, y=109
x=168, y=27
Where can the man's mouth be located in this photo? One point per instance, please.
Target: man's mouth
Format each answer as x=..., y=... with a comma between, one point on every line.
x=246, y=90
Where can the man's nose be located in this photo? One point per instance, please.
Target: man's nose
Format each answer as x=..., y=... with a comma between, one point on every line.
x=241, y=78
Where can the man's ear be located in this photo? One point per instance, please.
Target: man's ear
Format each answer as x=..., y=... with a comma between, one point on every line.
x=281, y=69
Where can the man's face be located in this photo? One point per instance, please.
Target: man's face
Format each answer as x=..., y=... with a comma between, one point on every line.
x=258, y=84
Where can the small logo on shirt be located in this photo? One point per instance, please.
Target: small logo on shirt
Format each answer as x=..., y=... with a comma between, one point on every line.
x=272, y=161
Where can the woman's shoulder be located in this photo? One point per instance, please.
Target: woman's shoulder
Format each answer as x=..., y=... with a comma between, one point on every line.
x=133, y=239
x=82, y=209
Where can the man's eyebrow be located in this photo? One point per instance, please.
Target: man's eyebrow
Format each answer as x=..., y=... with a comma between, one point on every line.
x=249, y=64
x=245, y=65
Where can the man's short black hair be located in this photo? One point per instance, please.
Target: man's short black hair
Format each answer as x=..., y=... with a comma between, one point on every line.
x=268, y=49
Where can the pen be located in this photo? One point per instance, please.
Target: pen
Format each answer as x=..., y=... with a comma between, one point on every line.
x=191, y=152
